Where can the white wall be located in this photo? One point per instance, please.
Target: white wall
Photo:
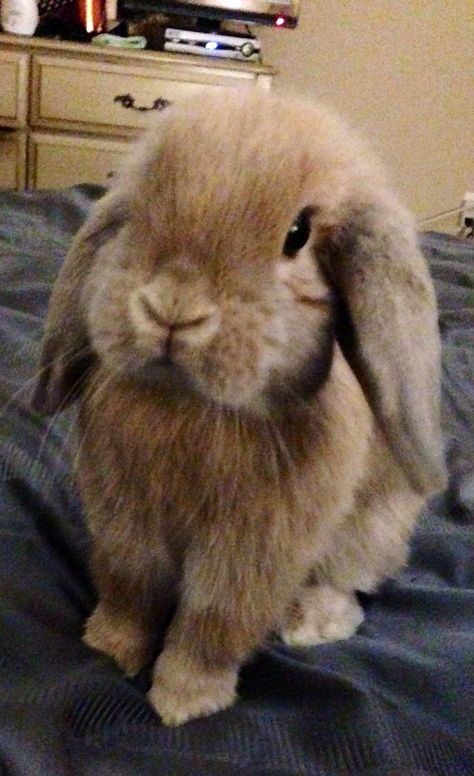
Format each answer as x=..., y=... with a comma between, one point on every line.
x=403, y=72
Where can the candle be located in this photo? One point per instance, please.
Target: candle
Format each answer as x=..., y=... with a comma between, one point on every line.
x=92, y=15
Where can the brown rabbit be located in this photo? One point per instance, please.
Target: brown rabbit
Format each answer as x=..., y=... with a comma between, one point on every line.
x=252, y=331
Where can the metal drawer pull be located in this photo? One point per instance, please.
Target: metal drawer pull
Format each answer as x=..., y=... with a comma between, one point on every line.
x=127, y=101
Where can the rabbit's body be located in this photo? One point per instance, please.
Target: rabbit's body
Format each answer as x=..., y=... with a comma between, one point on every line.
x=269, y=509
x=234, y=460
x=265, y=492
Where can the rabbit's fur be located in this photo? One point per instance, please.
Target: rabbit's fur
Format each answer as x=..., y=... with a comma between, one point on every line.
x=271, y=457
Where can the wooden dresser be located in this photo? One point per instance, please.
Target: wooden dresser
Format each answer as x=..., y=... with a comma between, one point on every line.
x=67, y=110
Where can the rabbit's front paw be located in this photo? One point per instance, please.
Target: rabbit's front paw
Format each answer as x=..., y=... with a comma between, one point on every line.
x=323, y=614
x=119, y=637
x=183, y=690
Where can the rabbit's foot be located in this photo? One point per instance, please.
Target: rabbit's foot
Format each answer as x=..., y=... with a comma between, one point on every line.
x=183, y=690
x=119, y=637
x=322, y=614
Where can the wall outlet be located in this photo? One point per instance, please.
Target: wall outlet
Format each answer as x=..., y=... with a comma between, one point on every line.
x=467, y=211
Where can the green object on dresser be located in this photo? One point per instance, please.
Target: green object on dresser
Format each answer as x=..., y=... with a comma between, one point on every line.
x=116, y=41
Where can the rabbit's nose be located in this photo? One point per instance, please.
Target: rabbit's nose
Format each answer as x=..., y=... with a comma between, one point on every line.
x=185, y=321
x=174, y=322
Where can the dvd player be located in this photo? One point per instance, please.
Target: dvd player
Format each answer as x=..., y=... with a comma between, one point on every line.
x=212, y=44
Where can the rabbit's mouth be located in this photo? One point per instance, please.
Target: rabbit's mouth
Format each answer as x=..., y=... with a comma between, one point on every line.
x=165, y=372
x=174, y=379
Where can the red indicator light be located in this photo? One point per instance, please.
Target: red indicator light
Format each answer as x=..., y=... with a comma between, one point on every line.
x=280, y=21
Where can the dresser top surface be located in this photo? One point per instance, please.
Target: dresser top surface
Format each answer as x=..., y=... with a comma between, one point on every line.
x=109, y=54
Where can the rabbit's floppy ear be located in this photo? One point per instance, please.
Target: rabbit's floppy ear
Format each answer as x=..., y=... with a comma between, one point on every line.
x=65, y=350
x=388, y=329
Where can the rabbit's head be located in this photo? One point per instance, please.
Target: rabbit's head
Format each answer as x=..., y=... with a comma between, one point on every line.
x=212, y=275
x=246, y=234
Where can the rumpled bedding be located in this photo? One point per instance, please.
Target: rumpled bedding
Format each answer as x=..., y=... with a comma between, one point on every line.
x=397, y=699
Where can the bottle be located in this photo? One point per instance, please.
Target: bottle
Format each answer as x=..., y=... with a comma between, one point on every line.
x=19, y=17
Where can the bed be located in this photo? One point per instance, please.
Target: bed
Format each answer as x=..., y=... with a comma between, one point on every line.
x=397, y=699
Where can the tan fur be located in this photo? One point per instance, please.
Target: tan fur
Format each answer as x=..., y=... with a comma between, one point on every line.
x=258, y=462
x=324, y=613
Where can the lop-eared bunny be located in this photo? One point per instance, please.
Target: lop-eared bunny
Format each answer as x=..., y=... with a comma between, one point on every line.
x=251, y=330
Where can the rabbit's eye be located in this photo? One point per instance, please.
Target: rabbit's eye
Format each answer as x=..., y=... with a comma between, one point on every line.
x=299, y=233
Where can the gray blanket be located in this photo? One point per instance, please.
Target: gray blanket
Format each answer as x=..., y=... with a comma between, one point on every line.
x=396, y=699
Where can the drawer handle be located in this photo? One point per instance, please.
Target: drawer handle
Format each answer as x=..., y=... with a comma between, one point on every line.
x=127, y=101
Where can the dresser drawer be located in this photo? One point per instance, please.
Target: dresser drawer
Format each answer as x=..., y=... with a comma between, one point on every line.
x=13, y=89
x=95, y=96
x=12, y=160
x=60, y=161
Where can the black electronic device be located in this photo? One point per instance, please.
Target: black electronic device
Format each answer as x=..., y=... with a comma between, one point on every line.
x=211, y=12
